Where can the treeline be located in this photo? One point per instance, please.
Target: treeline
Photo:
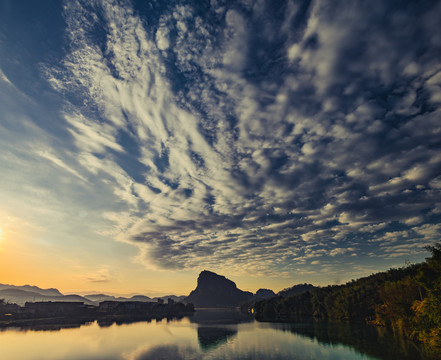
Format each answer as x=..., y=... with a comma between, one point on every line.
x=407, y=299
x=11, y=314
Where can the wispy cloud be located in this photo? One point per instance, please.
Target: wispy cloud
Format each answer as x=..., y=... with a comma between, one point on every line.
x=235, y=145
x=100, y=276
x=57, y=161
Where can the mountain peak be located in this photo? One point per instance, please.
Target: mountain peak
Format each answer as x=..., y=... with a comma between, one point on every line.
x=210, y=278
x=215, y=290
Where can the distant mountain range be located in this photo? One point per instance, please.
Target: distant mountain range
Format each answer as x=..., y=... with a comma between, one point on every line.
x=21, y=294
x=103, y=297
x=212, y=291
x=142, y=298
x=18, y=296
x=46, y=292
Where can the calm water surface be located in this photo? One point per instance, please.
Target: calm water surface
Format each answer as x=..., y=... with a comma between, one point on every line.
x=206, y=335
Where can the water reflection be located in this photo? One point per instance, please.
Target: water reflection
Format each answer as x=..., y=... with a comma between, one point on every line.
x=220, y=317
x=212, y=337
x=169, y=352
x=374, y=341
x=48, y=324
x=217, y=326
x=371, y=340
x=206, y=335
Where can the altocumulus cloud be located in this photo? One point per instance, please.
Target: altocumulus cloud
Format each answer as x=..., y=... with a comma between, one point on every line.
x=255, y=136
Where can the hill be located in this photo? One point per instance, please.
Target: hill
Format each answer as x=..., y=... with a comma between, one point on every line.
x=262, y=294
x=407, y=299
x=296, y=289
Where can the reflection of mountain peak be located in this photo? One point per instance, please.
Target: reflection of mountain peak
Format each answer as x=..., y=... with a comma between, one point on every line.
x=215, y=290
x=220, y=317
x=211, y=337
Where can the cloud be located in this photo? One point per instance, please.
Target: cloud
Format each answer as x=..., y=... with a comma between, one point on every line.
x=235, y=137
x=162, y=38
x=54, y=159
x=4, y=78
x=340, y=251
x=102, y=275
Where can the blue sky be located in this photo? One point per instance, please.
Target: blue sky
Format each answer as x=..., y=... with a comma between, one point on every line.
x=287, y=141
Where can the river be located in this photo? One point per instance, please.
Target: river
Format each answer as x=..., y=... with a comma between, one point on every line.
x=205, y=335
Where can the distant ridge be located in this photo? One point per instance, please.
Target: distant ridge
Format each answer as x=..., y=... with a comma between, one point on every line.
x=28, y=293
x=104, y=297
x=141, y=298
x=36, y=289
x=20, y=297
x=215, y=290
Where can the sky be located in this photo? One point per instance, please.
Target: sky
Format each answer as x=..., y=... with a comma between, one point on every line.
x=273, y=142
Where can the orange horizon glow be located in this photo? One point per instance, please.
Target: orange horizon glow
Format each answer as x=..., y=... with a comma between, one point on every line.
x=31, y=255
x=28, y=257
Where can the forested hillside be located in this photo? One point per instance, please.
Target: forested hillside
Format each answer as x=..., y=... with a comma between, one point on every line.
x=406, y=299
